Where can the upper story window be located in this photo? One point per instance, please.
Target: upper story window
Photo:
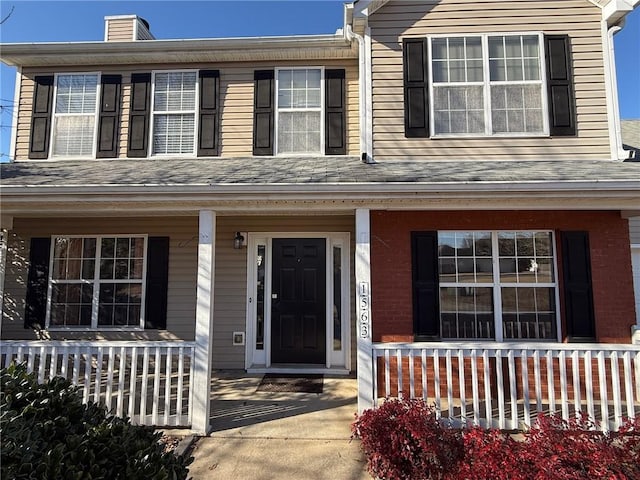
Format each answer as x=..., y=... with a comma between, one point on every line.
x=174, y=113
x=74, y=115
x=487, y=85
x=299, y=111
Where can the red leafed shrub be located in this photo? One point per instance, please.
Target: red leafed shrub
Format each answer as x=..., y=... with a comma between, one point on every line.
x=404, y=440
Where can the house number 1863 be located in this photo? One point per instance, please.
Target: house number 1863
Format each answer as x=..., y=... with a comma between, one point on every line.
x=363, y=299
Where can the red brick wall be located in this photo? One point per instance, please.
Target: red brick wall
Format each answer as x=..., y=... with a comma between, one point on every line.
x=392, y=311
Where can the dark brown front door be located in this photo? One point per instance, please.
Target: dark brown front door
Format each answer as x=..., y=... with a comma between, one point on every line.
x=298, y=299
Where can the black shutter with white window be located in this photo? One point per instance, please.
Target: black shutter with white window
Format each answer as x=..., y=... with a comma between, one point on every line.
x=41, y=117
x=37, y=283
x=426, y=311
x=138, y=141
x=155, y=316
x=335, y=114
x=416, y=92
x=109, y=120
x=578, y=292
x=263, y=112
x=208, y=114
x=562, y=116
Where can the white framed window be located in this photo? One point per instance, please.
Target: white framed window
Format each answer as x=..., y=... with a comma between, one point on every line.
x=299, y=111
x=174, y=113
x=97, y=282
x=497, y=285
x=75, y=115
x=488, y=85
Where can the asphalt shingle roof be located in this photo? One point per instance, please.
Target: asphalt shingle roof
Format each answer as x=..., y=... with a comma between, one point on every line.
x=305, y=170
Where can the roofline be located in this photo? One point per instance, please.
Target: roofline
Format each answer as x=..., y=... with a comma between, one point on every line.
x=34, y=53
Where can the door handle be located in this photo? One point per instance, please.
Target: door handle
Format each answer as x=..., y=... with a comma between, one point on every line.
x=274, y=296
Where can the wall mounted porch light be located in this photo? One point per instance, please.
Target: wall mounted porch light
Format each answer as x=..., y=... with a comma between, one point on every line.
x=240, y=240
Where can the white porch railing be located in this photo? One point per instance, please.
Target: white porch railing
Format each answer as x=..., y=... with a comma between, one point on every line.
x=150, y=382
x=506, y=385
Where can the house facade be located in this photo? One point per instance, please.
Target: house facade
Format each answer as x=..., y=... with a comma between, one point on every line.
x=432, y=192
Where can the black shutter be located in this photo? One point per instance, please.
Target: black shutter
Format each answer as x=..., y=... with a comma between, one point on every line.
x=108, y=131
x=562, y=115
x=37, y=283
x=335, y=113
x=578, y=293
x=41, y=117
x=426, y=311
x=155, y=315
x=208, y=120
x=140, y=106
x=416, y=92
x=263, y=112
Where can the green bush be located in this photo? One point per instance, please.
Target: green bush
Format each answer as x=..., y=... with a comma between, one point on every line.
x=47, y=432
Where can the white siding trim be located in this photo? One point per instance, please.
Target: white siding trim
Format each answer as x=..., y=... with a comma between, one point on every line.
x=363, y=306
x=14, y=114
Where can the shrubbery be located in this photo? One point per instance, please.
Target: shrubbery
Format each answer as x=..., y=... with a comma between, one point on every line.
x=47, y=432
x=404, y=439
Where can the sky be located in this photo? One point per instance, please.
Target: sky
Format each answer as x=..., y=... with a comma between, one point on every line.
x=62, y=21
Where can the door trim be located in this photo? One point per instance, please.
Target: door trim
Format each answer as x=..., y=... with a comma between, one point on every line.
x=260, y=360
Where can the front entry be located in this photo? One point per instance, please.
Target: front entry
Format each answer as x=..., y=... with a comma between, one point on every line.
x=298, y=301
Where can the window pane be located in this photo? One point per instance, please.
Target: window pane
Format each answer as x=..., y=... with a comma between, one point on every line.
x=439, y=48
x=261, y=269
x=516, y=108
x=459, y=109
x=173, y=134
x=299, y=132
x=529, y=313
x=337, y=298
x=73, y=135
x=175, y=91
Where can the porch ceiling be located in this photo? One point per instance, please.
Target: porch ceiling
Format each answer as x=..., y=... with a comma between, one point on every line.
x=328, y=184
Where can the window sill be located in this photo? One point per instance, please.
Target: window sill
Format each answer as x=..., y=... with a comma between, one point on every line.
x=500, y=135
x=94, y=330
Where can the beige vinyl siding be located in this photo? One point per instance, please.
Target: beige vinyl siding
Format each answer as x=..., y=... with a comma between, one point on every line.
x=236, y=100
x=231, y=273
x=634, y=230
x=398, y=19
x=181, y=297
x=119, y=30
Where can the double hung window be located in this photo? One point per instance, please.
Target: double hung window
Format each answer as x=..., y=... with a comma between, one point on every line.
x=74, y=116
x=299, y=111
x=174, y=113
x=497, y=285
x=97, y=282
x=487, y=85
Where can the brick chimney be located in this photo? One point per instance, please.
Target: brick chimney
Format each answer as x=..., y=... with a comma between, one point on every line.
x=126, y=28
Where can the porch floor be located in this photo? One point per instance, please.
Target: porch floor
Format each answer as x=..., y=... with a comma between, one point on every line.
x=264, y=435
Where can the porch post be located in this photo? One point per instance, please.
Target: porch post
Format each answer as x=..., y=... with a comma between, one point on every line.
x=363, y=295
x=6, y=224
x=635, y=267
x=201, y=382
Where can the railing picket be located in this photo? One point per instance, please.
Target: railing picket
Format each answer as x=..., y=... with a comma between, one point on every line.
x=53, y=364
x=423, y=367
x=64, y=365
x=121, y=376
x=110, y=367
x=615, y=387
x=562, y=358
x=88, y=364
x=474, y=387
x=628, y=387
x=575, y=367
x=524, y=367
x=636, y=362
x=436, y=381
x=143, y=390
x=449, y=383
x=399, y=372
x=179, y=419
x=463, y=400
x=20, y=356
x=8, y=356
x=32, y=358
x=604, y=398
x=500, y=386
x=41, y=363
x=191, y=369
x=588, y=384
x=167, y=387
x=537, y=380
x=487, y=388
x=412, y=385
x=98, y=391
x=76, y=365
x=156, y=388
x=513, y=390
x=133, y=382
x=551, y=382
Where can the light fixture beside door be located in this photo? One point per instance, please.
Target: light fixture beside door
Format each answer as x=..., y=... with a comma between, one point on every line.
x=240, y=240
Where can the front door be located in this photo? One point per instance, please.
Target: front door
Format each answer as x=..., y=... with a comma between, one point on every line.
x=298, y=301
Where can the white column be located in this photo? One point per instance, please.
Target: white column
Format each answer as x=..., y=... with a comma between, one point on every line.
x=201, y=382
x=363, y=295
x=6, y=224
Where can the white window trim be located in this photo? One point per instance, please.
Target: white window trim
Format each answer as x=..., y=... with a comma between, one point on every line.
x=96, y=282
x=487, y=87
x=314, y=109
x=496, y=285
x=55, y=115
x=152, y=114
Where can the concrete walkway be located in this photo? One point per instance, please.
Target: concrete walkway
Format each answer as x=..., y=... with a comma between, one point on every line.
x=260, y=435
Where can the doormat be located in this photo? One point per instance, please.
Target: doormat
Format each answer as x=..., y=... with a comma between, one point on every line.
x=277, y=383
